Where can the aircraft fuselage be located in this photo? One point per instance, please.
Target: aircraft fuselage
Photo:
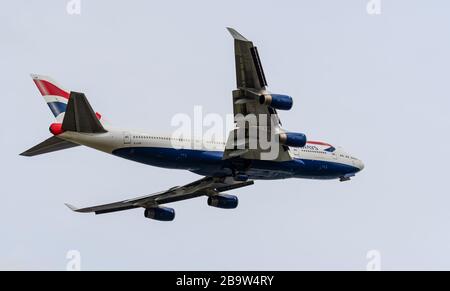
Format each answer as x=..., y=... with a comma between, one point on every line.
x=317, y=160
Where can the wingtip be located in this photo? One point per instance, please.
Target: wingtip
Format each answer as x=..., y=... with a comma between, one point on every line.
x=235, y=34
x=71, y=207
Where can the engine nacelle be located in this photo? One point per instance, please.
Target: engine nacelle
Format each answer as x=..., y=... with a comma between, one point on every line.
x=277, y=101
x=293, y=139
x=160, y=213
x=224, y=201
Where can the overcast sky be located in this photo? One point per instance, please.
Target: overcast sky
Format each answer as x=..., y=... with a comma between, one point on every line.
x=377, y=85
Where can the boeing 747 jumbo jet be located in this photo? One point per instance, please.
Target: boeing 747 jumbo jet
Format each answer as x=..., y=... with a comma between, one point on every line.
x=224, y=166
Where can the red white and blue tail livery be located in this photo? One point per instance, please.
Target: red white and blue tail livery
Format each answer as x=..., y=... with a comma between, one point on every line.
x=55, y=96
x=224, y=165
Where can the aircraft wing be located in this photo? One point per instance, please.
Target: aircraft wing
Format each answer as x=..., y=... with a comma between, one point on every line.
x=251, y=86
x=207, y=186
x=249, y=71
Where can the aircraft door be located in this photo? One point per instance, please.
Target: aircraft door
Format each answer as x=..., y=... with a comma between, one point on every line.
x=126, y=138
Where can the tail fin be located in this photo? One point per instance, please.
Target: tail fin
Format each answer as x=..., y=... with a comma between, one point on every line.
x=55, y=96
x=80, y=117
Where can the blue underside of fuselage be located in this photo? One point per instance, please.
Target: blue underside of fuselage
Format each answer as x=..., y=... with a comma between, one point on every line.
x=210, y=163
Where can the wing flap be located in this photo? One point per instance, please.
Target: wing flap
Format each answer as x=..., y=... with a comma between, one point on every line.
x=258, y=66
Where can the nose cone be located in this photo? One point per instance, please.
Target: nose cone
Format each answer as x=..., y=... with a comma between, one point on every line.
x=360, y=165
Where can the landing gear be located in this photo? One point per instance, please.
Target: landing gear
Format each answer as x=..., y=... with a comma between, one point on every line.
x=238, y=168
x=346, y=177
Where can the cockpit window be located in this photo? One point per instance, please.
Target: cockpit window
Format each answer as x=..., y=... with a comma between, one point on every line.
x=330, y=149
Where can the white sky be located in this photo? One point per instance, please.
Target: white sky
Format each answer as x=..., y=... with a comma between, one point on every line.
x=376, y=85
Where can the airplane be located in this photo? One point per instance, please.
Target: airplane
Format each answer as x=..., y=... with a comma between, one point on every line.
x=224, y=165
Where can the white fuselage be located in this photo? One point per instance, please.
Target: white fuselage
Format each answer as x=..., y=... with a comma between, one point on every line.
x=315, y=160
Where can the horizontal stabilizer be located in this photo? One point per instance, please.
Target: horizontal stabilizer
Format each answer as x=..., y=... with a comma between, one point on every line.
x=50, y=145
x=80, y=117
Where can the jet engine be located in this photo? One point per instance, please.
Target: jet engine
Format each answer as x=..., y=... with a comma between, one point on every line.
x=160, y=213
x=277, y=101
x=224, y=201
x=293, y=139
